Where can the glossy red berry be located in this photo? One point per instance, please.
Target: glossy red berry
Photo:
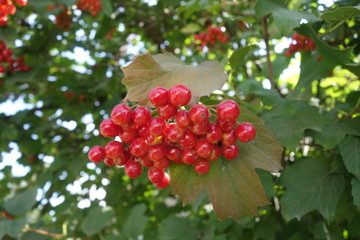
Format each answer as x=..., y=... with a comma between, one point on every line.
x=174, y=132
x=109, y=129
x=203, y=148
x=155, y=175
x=225, y=125
x=173, y=153
x=188, y=140
x=11, y=9
x=164, y=182
x=189, y=156
x=180, y=95
x=200, y=129
x=228, y=110
x=214, y=133
x=183, y=118
x=21, y=2
x=146, y=162
x=141, y=115
x=228, y=138
x=109, y=162
x=167, y=111
x=199, y=114
x=157, y=126
x=202, y=166
x=215, y=154
x=127, y=136
x=97, y=154
x=245, y=132
x=139, y=147
x=121, y=114
x=133, y=169
x=159, y=96
x=230, y=152
x=123, y=159
x=114, y=149
x=156, y=153
x=162, y=163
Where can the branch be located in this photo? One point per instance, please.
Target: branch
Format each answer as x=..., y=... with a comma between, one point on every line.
x=264, y=22
x=43, y=232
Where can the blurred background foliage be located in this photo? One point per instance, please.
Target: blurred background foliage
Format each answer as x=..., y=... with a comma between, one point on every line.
x=49, y=116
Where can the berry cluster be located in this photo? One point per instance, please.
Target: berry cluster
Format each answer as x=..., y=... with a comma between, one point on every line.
x=173, y=134
x=63, y=19
x=94, y=6
x=211, y=37
x=8, y=63
x=8, y=8
x=300, y=43
x=71, y=95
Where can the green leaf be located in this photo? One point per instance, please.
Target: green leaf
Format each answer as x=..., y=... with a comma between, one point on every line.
x=267, y=182
x=331, y=135
x=177, y=228
x=350, y=152
x=233, y=186
x=267, y=228
x=106, y=8
x=11, y=227
x=284, y=19
x=8, y=35
x=351, y=126
x=21, y=202
x=238, y=56
x=97, y=219
x=148, y=72
x=135, y=224
x=341, y=13
x=190, y=28
x=291, y=114
x=310, y=186
x=355, y=192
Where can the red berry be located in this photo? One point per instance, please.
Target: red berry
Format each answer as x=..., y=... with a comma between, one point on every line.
x=183, y=118
x=163, y=163
x=11, y=9
x=180, y=95
x=214, y=133
x=109, y=129
x=188, y=140
x=109, y=162
x=189, y=156
x=164, y=182
x=159, y=96
x=3, y=20
x=139, y=147
x=146, y=162
x=97, y=154
x=133, y=169
x=230, y=152
x=152, y=141
x=245, y=132
x=155, y=175
x=225, y=125
x=21, y=2
x=114, y=149
x=167, y=111
x=123, y=159
x=199, y=114
x=173, y=132
x=228, y=110
x=143, y=131
x=228, y=138
x=202, y=166
x=156, y=153
x=173, y=153
x=141, y=115
x=200, y=129
x=215, y=154
x=121, y=114
x=203, y=148
x=157, y=126
x=127, y=136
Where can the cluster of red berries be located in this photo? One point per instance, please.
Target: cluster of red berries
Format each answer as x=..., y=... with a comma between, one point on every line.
x=8, y=8
x=300, y=43
x=63, y=19
x=211, y=37
x=71, y=95
x=8, y=63
x=93, y=6
x=173, y=135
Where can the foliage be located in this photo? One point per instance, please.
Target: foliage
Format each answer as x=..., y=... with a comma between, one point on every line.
x=75, y=80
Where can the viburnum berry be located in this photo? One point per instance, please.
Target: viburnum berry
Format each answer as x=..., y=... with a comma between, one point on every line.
x=109, y=162
x=146, y=162
x=189, y=156
x=123, y=159
x=114, y=149
x=133, y=169
x=230, y=152
x=173, y=132
x=225, y=125
x=96, y=154
x=180, y=95
x=164, y=182
x=202, y=167
x=159, y=96
x=228, y=110
x=155, y=175
x=214, y=133
x=200, y=129
x=141, y=115
x=109, y=129
x=215, y=154
x=127, y=136
x=121, y=114
x=203, y=148
x=183, y=118
x=139, y=147
x=157, y=126
x=157, y=152
x=228, y=138
x=199, y=114
x=188, y=140
x=245, y=132
x=167, y=111
x=162, y=163
x=173, y=153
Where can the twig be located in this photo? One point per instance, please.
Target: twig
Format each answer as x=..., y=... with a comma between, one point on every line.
x=264, y=22
x=43, y=232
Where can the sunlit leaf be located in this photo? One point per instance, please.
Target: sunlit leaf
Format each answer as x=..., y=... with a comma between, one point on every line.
x=341, y=13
